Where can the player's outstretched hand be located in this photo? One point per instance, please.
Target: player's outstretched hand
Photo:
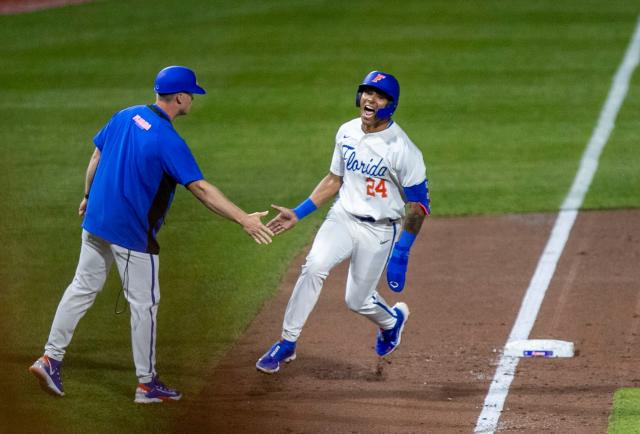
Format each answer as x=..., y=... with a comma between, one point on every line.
x=285, y=220
x=254, y=227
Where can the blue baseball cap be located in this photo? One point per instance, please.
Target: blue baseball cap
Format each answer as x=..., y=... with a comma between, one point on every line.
x=174, y=79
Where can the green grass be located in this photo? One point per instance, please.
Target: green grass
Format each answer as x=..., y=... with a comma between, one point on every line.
x=617, y=182
x=625, y=418
x=500, y=96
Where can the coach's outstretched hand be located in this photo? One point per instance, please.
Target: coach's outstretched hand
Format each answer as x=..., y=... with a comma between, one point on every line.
x=254, y=227
x=285, y=220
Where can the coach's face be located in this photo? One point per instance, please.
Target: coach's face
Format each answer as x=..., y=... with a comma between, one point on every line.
x=184, y=101
x=370, y=102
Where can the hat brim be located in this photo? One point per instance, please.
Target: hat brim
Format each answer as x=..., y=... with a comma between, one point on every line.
x=197, y=89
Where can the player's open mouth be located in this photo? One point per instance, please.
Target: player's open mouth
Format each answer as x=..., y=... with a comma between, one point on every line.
x=369, y=110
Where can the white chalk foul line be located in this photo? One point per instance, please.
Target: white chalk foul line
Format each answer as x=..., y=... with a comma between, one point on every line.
x=505, y=372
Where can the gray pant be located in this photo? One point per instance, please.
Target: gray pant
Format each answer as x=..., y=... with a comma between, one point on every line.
x=139, y=274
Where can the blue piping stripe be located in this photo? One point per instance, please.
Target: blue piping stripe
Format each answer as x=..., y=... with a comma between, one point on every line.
x=386, y=308
x=153, y=301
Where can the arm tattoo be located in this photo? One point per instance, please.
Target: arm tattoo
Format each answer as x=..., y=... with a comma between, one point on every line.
x=414, y=218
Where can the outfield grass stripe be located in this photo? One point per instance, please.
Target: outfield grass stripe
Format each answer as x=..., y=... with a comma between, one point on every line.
x=494, y=401
x=605, y=126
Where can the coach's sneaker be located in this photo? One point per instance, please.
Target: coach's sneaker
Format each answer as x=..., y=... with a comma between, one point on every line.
x=388, y=340
x=47, y=371
x=155, y=391
x=281, y=351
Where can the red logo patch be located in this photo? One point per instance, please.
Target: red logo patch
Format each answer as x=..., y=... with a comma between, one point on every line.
x=379, y=77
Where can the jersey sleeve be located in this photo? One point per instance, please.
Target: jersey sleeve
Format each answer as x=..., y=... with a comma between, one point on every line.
x=337, y=162
x=101, y=136
x=180, y=163
x=411, y=168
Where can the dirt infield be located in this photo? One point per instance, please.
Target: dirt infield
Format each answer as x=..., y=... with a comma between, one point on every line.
x=467, y=279
x=10, y=7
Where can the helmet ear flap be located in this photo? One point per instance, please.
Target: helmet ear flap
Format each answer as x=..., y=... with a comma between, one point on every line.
x=387, y=112
x=358, y=97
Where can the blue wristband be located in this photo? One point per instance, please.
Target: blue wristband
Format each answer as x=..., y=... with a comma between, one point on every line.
x=305, y=208
x=406, y=240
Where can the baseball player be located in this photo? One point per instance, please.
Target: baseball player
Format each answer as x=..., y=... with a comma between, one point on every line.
x=129, y=186
x=378, y=173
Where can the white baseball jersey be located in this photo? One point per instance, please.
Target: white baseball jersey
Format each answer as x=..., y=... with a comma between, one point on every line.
x=375, y=167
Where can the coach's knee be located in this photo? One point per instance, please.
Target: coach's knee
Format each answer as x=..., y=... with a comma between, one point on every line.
x=85, y=283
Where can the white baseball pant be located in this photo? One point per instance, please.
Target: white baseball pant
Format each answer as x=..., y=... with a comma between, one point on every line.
x=139, y=274
x=341, y=236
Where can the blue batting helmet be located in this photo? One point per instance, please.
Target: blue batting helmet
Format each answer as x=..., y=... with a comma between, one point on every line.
x=174, y=79
x=386, y=84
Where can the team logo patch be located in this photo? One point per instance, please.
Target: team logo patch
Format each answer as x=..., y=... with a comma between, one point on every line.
x=142, y=123
x=379, y=77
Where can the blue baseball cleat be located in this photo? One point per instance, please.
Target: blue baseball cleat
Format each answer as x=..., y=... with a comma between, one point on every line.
x=47, y=371
x=281, y=351
x=155, y=391
x=388, y=340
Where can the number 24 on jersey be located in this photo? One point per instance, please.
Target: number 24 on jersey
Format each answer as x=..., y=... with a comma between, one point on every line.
x=374, y=188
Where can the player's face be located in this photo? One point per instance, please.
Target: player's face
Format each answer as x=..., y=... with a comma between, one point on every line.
x=184, y=100
x=370, y=101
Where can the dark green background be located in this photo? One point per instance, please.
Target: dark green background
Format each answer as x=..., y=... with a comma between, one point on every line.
x=501, y=96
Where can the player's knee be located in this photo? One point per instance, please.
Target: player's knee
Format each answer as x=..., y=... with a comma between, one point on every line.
x=353, y=302
x=315, y=269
